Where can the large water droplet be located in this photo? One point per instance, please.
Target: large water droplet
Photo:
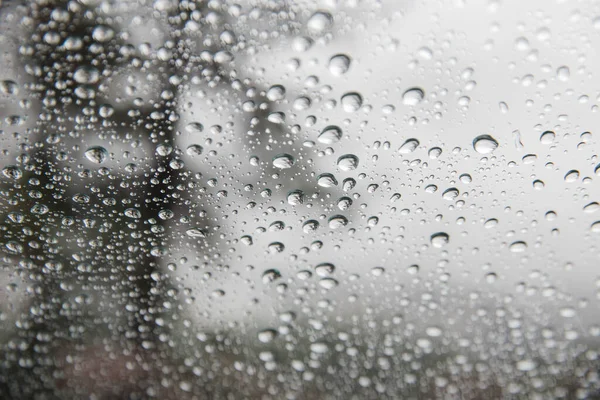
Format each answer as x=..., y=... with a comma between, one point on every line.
x=337, y=221
x=339, y=64
x=347, y=162
x=485, y=144
x=351, y=102
x=330, y=135
x=12, y=172
x=319, y=22
x=413, y=96
x=409, y=146
x=439, y=239
x=96, y=154
x=326, y=180
x=283, y=161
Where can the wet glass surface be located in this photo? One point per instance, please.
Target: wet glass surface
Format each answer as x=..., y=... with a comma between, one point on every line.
x=299, y=199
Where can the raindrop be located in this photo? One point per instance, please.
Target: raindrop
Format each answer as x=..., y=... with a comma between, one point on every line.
x=465, y=178
x=267, y=335
x=339, y=64
x=413, y=96
x=337, y=221
x=347, y=162
x=194, y=150
x=283, y=161
x=326, y=180
x=485, y=144
x=526, y=365
x=194, y=128
x=351, y=102
x=12, y=172
x=439, y=239
x=319, y=22
x=276, y=93
x=344, y=203
x=518, y=247
x=310, y=226
x=270, y=275
x=547, y=137
x=408, y=146
x=96, y=154
x=330, y=135
x=434, y=153
x=295, y=197
x=324, y=269
x=572, y=176
x=133, y=213
x=450, y=194
x=86, y=75
x=195, y=233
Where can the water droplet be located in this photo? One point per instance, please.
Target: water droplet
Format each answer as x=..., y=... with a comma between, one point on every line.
x=572, y=176
x=276, y=93
x=324, y=269
x=450, y=194
x=283, y=161
x=337, y=221
x=319, y=348
x=349, y=184
x=431, y=188
x=547, y=137
x=518, y=247
x=270, y=275
x=96, y=154
x=330, y=135
x=194, y=150
x=526, y=365
x=194, y=128
x=408, y=146
x=319, y=22
x=434, y=153
x=328, y=283
x=295, y=197
x=267, y=335
x=310, y=226
x=326, y=180
x=195, y=233
x=103, y=33
x=347, y=162
x=351, y=102
x=563, y=73
x=490, y=223
x=164, y=149
x=133, y=213
x=439, y=239
x=339, y=64
x=413, y=96
x=465, y=178
x=591, y=207
x=433, y=331
x=344, y=203
x=86, y=75
x=9, y=87
x=12, y=172
x=485, y=144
